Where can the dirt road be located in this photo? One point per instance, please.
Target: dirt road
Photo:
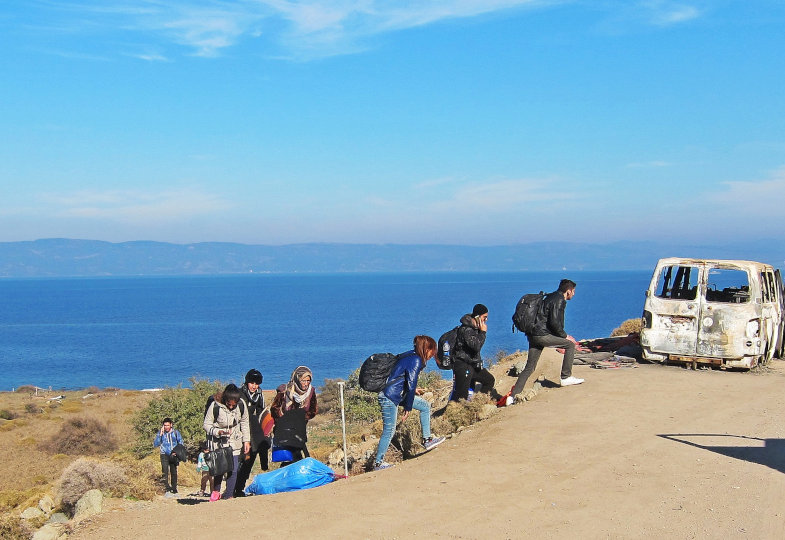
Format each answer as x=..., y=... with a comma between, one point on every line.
x=649, y=452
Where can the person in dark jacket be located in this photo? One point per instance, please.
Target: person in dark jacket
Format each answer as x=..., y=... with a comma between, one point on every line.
x=254, y=400
x=467, y=361
x=401, y=389
x=549, y=331
x=293, y=405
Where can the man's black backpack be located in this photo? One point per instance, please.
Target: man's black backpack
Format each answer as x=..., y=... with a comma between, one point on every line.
x=526, y=312
x=445, y=361
x=375, y=371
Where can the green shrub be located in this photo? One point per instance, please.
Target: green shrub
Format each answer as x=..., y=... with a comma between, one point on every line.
x=185, y=406
x=7, y=415
x=82, y=436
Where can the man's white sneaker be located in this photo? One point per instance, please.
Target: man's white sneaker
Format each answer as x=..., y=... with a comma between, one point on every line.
x=569, y=381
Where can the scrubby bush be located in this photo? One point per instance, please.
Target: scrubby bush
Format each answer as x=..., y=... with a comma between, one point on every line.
x=12, y=498
x=459, y=414
x=144, y=476
x=330, y=396
x=359, y=406
x=630, y=326
x=185, y=406
x=14, y=528
x=7, y=415
x=33, y=408
x=26, y=389
x=82, y=436
x=85, y=474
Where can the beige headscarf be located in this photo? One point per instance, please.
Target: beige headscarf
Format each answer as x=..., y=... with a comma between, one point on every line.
x=294, y=392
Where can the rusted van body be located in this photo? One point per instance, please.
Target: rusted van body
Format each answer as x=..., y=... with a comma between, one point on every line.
x=725, y=313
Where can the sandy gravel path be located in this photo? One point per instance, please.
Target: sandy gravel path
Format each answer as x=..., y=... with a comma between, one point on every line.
x=649, y=452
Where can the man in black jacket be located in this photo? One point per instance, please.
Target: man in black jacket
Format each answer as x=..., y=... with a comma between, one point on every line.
x=467, y=362
x=549, y=332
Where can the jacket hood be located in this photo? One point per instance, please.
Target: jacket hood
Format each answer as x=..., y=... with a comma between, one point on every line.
x=468, y=320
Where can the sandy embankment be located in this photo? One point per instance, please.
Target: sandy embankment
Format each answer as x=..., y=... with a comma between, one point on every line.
x=649, y=452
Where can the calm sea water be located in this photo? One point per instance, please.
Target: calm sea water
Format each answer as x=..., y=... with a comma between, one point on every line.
x=152, y=332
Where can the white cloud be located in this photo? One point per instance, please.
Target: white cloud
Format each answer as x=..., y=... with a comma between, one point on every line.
x=135, y=207
x=149, y=57
x=302, y=27
x=506, y=195
x=666, y=12
x=757, y=196
x=443, y=197
x=655, y=164
x=298, y=28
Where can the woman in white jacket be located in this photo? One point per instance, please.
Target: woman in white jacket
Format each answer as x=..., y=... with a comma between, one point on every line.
x=226, y=423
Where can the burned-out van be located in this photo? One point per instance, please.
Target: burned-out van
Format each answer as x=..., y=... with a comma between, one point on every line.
x=717, y=312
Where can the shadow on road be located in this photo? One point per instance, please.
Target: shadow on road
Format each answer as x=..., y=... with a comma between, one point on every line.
x=768, y=452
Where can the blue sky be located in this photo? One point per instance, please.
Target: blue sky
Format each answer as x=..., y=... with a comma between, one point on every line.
x=438, y=121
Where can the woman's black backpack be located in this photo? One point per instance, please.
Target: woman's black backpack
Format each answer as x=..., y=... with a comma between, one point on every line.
x=375, y=371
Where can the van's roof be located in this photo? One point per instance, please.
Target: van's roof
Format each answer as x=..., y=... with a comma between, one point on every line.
x=716, y=262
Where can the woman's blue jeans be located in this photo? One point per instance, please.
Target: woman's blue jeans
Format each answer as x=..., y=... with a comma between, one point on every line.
x=390, y=417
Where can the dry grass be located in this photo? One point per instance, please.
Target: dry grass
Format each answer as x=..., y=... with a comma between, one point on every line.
x=14, y=528
x=82, y=437
x=25, y=466
x=630, y=326
x=85, y=474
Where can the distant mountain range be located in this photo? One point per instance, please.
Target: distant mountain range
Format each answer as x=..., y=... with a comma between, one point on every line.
x=64, y=257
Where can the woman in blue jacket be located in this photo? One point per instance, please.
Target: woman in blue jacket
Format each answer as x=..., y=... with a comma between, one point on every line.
x=401, y=389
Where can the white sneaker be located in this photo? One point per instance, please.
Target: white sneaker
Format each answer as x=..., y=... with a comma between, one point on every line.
x=569, y=381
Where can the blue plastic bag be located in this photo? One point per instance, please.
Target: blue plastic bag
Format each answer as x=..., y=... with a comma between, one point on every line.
x=304, y=474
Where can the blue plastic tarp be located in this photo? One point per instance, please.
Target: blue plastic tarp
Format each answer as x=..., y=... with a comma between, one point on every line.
x=304, y=474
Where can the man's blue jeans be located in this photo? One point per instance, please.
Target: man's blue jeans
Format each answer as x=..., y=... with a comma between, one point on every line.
x=390, y=418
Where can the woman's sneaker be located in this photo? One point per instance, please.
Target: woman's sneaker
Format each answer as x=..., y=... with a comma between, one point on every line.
x=381, y=466
x=570, y=381
x=432, y=442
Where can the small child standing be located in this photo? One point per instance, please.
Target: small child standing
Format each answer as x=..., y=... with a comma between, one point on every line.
x=201, y=466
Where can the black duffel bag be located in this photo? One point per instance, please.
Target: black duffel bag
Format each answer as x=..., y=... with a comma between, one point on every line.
x=220, y=460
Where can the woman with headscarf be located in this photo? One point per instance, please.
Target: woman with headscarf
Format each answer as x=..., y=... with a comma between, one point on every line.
x=293, y=406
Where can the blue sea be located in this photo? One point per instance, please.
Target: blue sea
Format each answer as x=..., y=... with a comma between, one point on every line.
x=151, y=332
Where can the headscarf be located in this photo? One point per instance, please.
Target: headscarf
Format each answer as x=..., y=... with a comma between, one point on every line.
x=294, y=392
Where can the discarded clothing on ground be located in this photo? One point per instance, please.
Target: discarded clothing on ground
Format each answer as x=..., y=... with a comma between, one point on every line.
x=614, y=362
x=626, y=347
x=304, y=474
